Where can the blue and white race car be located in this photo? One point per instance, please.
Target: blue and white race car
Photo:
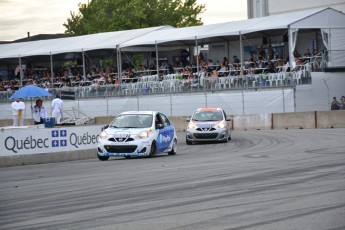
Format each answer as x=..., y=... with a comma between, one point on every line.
x=137, y=133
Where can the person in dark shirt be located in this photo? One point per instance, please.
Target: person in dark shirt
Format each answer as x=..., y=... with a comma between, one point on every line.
x=335, y=104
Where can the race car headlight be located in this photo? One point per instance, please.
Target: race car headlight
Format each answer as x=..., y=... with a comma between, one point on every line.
x=143, y=134
x=103, y=135
x=220, y=125
x=192, y=125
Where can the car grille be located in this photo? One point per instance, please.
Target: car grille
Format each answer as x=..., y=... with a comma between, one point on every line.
x=121, y=139
x=205, y=135
x=120, y=149
x=206, y=129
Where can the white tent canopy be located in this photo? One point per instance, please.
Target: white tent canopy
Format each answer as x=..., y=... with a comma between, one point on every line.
x=326, y=18
x=107, y=40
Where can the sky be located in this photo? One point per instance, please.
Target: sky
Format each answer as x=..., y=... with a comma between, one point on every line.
x=18, y=17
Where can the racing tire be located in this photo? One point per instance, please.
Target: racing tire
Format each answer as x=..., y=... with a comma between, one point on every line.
x=153, y=149
x=188, y=142
x=102, y=158
x=174, y=148
x=226, y=140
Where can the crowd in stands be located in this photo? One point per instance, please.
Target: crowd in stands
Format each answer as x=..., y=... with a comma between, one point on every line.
x=268, y=61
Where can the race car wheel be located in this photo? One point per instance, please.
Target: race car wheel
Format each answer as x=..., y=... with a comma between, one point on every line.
x=153, y=149
x=188, y=142
x=102, y=158
x=174, y=148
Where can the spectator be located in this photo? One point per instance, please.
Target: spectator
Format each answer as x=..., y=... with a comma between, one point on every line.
x=225, y=62
x=212, y=79
x=270, y=53
x=236, y=62
x=316, y=59
x=307, y=53
x=342, y=103
x=39, y=112
x=18, y=108
x=57, y=106
x=335, y=104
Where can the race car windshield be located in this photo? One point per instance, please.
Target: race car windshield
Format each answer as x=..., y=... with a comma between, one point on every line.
x=207, y=116
x=133, y=121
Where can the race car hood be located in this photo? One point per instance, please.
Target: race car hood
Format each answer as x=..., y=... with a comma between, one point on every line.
x=122, y=132
x=205, y=124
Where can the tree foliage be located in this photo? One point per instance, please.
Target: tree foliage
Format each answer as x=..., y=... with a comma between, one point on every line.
x=115, y=15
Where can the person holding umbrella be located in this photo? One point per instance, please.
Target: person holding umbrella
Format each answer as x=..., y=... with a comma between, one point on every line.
x=18, y=108
x=39, y=112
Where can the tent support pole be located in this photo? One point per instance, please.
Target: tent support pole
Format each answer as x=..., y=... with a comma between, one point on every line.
x=119, y=66
x=241, y=56
x=20, y=71
x=291, y=58
x=51, y=70
x=197, y=61
x=157, y=61
x=84, y=72
x=228, y=43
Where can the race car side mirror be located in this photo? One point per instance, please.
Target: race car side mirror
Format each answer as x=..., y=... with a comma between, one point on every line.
x=188, y=119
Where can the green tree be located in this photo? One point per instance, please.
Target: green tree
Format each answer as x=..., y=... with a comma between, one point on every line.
x=116, y=15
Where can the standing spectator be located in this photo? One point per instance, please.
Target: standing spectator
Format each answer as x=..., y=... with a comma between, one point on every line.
x=39, y=112
x=18, y=108
x=342, y=103
x=270, y=53
x=57, y=105
x=335, y=104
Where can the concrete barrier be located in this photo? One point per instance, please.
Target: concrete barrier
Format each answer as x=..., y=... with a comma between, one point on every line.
x=250, y=122
x=330, y=119
x=303, y=120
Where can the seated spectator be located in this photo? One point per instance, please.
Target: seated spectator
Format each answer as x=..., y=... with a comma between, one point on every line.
x=262, y=53
x=307, y=53
x=236, y=62
x=280, y=56
x=296, y=54
x=223, y=70
x=225, y=62
x=316, y=59
x=260, y=63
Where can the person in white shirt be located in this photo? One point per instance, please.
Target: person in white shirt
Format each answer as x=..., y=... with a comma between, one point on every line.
x=18, y=108
x=57, y=105
x=39, y=112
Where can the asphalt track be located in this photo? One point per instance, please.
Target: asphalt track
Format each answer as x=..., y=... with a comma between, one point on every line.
x=280, y=179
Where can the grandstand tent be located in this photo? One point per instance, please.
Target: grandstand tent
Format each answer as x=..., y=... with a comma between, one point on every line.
x=330, y=22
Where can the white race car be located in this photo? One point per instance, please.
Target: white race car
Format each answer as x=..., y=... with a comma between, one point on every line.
x=137, y=133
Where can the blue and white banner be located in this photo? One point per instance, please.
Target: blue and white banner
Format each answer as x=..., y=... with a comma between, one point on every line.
x=37, y=139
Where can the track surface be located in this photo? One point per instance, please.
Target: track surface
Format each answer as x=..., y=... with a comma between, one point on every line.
x=281, y=179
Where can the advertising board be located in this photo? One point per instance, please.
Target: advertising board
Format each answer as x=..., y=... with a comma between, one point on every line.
x=37, y=139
